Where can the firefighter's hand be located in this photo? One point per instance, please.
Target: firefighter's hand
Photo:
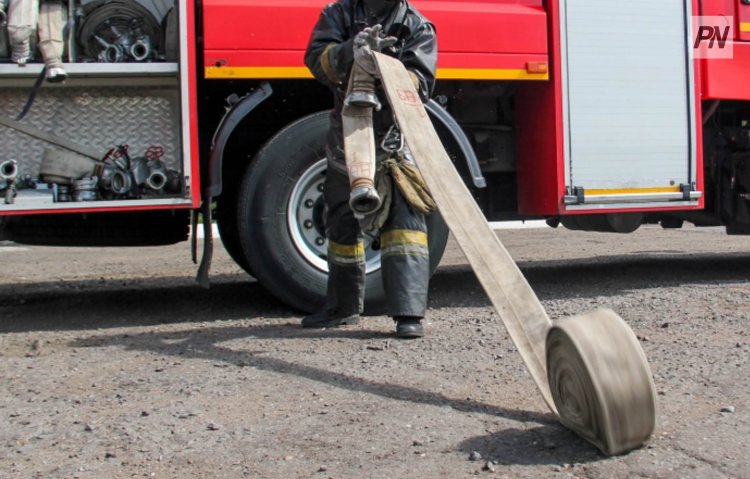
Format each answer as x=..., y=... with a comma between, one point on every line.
x=368, y=41
x=375, y=39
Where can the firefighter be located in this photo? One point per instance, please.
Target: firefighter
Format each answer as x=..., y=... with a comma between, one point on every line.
x=346, y=31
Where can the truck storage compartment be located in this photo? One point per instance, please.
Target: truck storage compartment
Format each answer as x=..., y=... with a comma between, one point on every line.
x=618, y=126
x=100, y=126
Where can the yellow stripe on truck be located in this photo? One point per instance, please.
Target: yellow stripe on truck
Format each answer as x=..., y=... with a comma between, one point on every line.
x=631, y=191
x=745, y=27
x=488, y=74
x=230, y=73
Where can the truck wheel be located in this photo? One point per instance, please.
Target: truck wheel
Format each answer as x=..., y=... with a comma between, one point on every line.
x=226, y=220
x=280, y=221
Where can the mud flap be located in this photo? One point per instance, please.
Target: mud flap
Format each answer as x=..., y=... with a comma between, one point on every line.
x=208, y=242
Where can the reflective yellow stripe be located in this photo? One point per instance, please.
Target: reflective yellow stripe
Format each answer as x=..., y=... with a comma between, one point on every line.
x=346, y=250
x=405, y=250
x=488, y=74
x=214, y=72
x=257, y=72
x=404, y=237
x=745, y=26
x=325, y=63
x=630, y=191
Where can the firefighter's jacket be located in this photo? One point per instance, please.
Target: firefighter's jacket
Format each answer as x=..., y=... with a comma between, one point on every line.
x=330, y=57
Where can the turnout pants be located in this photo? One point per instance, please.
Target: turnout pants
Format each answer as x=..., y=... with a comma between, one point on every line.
x=404, y=251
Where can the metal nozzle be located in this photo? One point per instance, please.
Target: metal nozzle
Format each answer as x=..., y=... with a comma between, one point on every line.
x=363, y=99
x=56, y=74
x=120, y=182
x=156, y=180
x=364, y=200
x=140, y=50
x=8, y=170
x=362, y=90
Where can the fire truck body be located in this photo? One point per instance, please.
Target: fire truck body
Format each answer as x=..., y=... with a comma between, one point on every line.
x=591, y=114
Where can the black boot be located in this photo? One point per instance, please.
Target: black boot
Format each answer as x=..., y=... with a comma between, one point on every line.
x=409, y=327
x=328, y=319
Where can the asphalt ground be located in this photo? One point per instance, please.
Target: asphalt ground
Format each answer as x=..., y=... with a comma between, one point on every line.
x=114, y=363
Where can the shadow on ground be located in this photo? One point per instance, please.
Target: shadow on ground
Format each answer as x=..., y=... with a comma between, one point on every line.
x=594, y=277
x=550, y=444
x=149, y=301
x=545, y=442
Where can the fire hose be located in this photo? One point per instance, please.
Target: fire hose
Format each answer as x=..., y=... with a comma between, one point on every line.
x=590, y=369
x=359, y=142
x=115, y=31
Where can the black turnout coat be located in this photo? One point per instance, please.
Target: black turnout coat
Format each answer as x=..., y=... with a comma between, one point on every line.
x=329, y=57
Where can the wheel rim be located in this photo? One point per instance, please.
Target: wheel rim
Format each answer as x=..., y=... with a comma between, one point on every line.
x=305, y=220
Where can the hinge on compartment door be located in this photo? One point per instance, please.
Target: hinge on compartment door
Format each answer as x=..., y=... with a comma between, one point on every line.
x=574, y=197
x=686, y=190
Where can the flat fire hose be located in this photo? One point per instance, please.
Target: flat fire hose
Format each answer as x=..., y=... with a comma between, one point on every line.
x=590, y=369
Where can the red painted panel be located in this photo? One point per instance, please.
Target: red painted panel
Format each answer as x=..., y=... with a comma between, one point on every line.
x=539, y=135
x=730, y=8
x=464, y=26
x=728, y=79
x=743, y=21
x=716, y=7
x=191, y=65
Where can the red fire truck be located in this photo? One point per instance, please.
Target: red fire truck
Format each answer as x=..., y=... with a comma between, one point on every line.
x=595, y=115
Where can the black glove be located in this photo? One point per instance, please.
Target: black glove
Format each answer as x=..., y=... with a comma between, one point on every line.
x=368, y=41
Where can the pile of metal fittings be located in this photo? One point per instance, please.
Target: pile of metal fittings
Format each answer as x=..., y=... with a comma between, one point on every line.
x=116, y=177
x=124, y=177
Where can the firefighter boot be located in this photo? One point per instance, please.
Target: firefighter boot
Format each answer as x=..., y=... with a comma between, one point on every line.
x=328, y=319
x=409, y=327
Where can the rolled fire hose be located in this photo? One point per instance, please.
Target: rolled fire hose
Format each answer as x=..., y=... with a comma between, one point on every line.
x=109, y=26
x=52, y=19
x=359, y=141
x=63, y=167
x=23, y=16
x=590, y=370
x=4, y=51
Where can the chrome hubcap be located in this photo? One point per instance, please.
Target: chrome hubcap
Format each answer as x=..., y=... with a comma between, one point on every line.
x=306, y=220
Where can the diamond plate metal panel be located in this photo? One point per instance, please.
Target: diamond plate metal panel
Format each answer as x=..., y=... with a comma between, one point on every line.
x=99, y=118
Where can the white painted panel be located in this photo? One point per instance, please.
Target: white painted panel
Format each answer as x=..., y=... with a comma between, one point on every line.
x=627, y=82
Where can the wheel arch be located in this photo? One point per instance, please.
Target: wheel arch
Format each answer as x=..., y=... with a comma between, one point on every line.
x=449, y=124
x=227, y=125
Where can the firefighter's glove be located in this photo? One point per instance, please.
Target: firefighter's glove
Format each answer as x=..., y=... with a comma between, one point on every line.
x=367, y=41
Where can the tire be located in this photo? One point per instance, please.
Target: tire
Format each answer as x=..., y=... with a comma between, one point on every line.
x=226, y=220
x=281, y=214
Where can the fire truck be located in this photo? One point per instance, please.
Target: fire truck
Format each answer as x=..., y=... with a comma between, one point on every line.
x=594, y=115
